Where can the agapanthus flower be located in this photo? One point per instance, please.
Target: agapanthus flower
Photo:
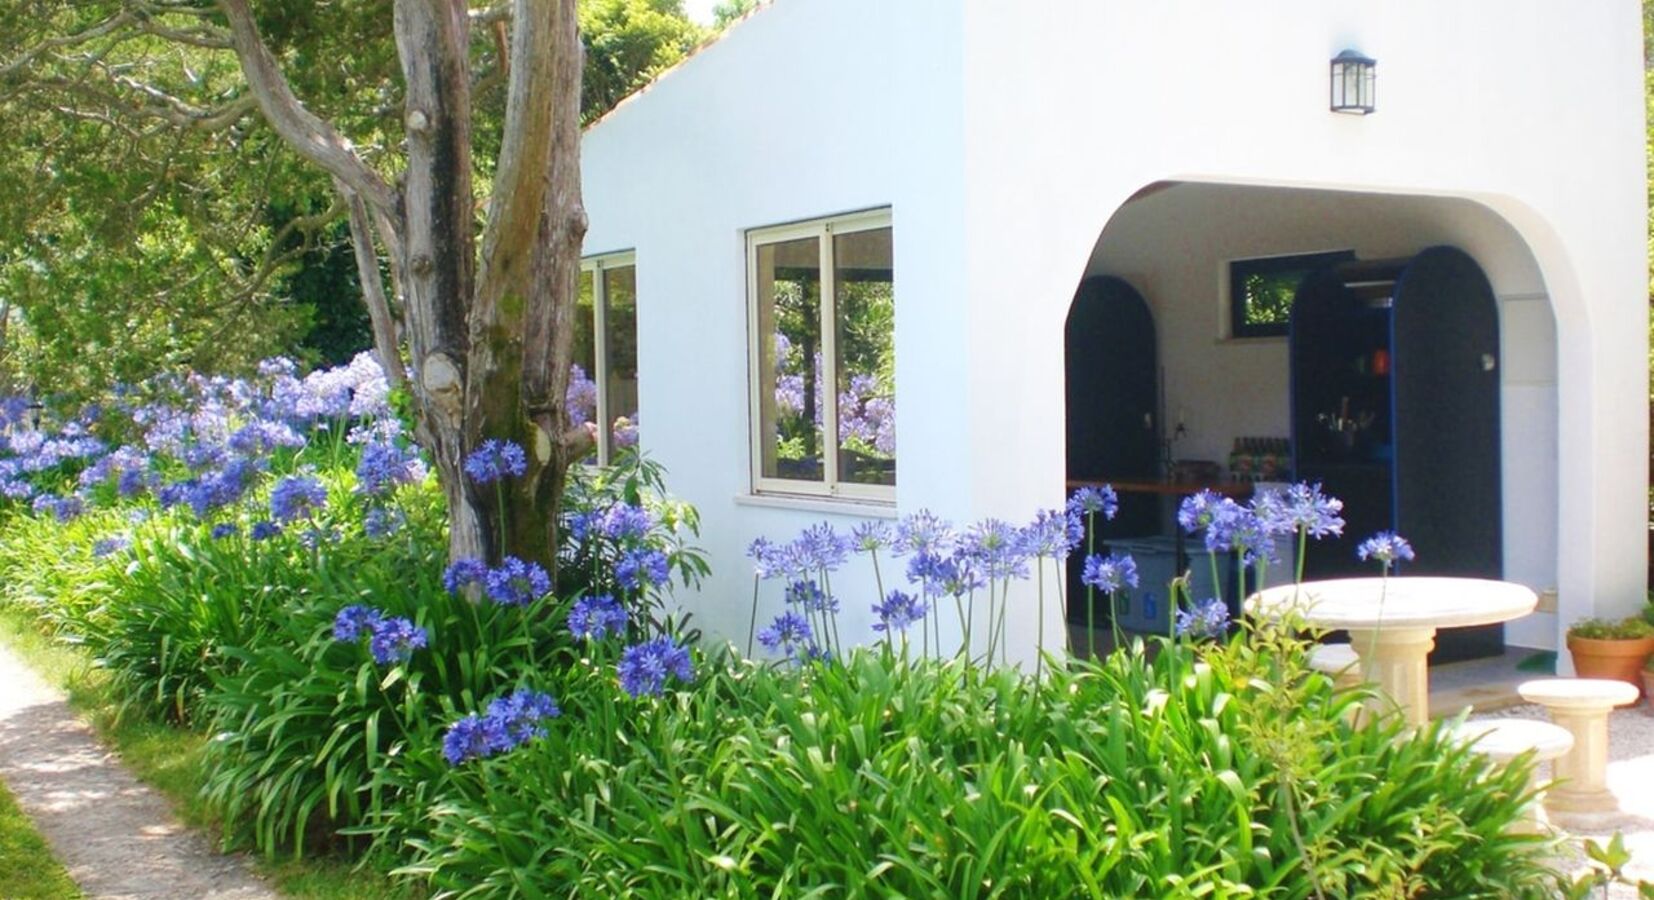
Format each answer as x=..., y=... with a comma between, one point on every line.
x=871, y=536
x=994, y=546
x=768, y=560
x=1209, y=619
x=1196, y=510
x=296, y=496
x=1304, y=508
x=63, y=509
x=595, y=618
x=1387, y=547
x=625, y=522
x=1049, y=535
x=109, y=545
x=898, y=611
x=263, y=437
x=522, y=713
x=381, y=522
x=264, y=530
x=922, y=532
x=1235, y=528
x=225, y=530
x=473, y=737
x=516, y=582
x=355, y=620
x=395, y=639
x=641, y=567
x=385, y=466
x=494, y=460
x=820, y=548
x=789, y=632
x=644, y=668
x=462, y=573
x=1109, y=574
x=1090, y=501
x=315, y=537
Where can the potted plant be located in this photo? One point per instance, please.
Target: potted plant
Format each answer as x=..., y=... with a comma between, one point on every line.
x=1603, y=648
x=1648, y=683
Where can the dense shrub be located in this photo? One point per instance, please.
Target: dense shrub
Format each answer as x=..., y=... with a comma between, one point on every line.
x=1146, y=776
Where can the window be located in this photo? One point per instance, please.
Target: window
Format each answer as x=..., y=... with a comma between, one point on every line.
x=823, y=357
x=603, y=383
x=1261, y=290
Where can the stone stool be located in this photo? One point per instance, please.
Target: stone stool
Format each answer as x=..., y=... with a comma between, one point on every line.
x=1339, y=661
x=1502, y=740
x=1581, y=705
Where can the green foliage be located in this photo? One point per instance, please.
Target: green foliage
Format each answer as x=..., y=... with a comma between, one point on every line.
x=628, y=43
x=27, y=867
x=1630, y=628
x=1146, y=776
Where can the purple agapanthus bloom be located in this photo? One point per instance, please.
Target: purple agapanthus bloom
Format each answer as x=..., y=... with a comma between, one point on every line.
x=642, y=567
x=385, y=466
x=1303, y=508
x=1209, y=619
x=394, y=640
x=1049, y=535
x=1110, y=574
x=1197, y=510
x=381, y=522
x=225, y=530
x=494, y=460
x=516, y=582
x=898, y=611
x=1235, y=528
x=473, y=737
x=264, y=530
x=521, y=715
x=1387, y=547
x=788, y=633
x=625, y=522
x=355, y=620
x=1089, y=501
x=296, y=496
x=871, y=536
x=994, y=546
x=922, y=532
x=463, y=573
x=820, y=548
x=768, y=560
x=595, y=618
x=644, y=668
x=806, y=594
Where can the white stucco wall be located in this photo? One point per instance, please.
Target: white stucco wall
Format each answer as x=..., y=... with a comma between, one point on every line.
x=809, y=108
x=1006, y=135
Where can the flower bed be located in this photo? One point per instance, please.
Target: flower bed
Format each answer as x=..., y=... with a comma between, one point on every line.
x=264, y=560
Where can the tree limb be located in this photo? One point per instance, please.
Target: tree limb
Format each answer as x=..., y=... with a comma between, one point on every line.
x=386, y=337
x=313, y=138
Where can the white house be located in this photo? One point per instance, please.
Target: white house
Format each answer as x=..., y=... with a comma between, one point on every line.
x=977, y=160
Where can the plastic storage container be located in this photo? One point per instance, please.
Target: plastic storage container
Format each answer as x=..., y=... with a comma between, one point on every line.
x=1147, y=608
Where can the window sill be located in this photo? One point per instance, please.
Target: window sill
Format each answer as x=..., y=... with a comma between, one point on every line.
x=866, y=509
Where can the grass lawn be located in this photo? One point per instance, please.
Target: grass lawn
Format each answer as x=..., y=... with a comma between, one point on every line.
x=166, y=758
x=27, y=869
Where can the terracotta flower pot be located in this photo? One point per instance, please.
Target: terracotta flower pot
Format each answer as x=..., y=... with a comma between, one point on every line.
x=1620, y=660
x=1648, y=690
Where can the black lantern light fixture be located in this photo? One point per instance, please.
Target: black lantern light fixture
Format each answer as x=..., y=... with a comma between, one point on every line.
x=1354, y=82
x=32, y=414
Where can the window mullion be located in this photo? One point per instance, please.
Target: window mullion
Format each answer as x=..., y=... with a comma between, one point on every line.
x=600, y=349
x=828, y=389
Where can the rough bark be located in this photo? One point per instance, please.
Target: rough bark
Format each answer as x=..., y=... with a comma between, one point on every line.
x=489, y=341
x=386, y=327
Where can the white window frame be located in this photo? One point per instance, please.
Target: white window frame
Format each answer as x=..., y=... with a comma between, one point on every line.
x=596, y=265
x=823, y=231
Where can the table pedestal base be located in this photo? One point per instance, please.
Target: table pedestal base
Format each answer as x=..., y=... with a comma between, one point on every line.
x=1397, y=660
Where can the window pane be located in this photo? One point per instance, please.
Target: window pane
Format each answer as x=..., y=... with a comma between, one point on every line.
x=789, y=370
x=1269, y=296
x=865, y=336
x=620, y=324
x=582, y=393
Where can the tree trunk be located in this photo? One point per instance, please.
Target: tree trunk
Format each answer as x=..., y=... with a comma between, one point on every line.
x=489, y=339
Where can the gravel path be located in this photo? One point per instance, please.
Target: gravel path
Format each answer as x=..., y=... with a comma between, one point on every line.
x=117, y=837
x=1630, y=777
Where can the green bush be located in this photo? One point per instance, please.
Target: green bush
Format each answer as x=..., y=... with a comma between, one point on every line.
x=1146, y=776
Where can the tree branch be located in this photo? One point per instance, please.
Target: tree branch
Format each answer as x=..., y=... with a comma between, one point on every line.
x=313, y=138
x=386, y=331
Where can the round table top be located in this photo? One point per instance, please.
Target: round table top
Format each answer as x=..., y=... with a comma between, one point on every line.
x=1407, y=602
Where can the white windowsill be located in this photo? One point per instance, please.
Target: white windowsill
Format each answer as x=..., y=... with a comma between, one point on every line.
x=867, y=509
